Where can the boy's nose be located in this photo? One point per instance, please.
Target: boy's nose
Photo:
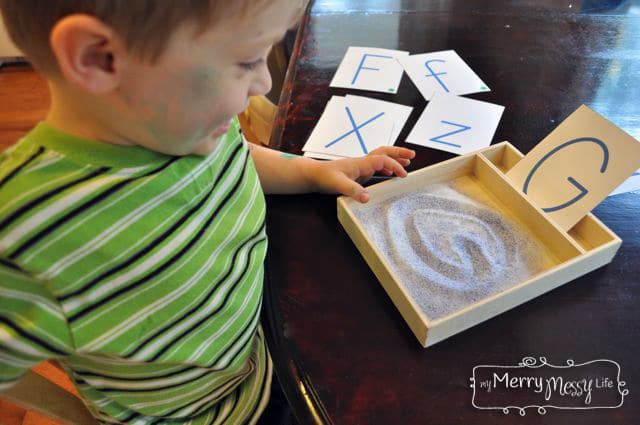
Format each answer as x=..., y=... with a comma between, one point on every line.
x=262, y=83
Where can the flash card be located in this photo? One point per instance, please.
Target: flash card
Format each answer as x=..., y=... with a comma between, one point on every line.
x=347, y=131
x=456, y=124
x=317, y=155
x=576, y=166
x=398, y=114
x=442, y=72
x=630, y=185
x=368, y=68
x=354, y=126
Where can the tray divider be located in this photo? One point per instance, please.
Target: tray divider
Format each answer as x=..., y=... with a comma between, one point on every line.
x=560, y=243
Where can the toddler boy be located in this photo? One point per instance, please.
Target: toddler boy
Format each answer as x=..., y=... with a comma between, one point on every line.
x=132, y=220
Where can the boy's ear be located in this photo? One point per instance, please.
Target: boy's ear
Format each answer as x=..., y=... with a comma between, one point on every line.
x=88, y=52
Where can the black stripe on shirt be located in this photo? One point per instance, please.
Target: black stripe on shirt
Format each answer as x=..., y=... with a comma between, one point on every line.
x=251, y=323
x=45, y=196
x=216, y=412
x=236, y=398
x=130, y=418
x=205, y=374
x=36, y=340
x=211, y=398
x=231, y=383
x=134, y=378
x=151, y=245
x=16, y=170
x=10, y=265
x=200, y=322
x=263, y=389
x=184, y=250
x=83, y=208
x=211, y=293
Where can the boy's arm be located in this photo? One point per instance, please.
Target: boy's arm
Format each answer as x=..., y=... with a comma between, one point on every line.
x=285, y=173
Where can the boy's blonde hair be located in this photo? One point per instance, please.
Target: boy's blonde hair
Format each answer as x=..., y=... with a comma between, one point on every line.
x=144, y=25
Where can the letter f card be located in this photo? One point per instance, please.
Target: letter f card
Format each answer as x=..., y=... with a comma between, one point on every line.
x=442, y=72
x=369, y=68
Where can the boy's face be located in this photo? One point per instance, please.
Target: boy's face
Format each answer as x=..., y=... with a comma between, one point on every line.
x=183, y=103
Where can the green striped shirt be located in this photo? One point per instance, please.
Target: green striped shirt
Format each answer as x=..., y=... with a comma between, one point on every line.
x=140, y=272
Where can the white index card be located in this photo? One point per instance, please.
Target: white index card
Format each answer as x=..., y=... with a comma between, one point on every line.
x=630, y=185
x=369, y=68
x=317, y=155
x=456, y=124
x=354, y=126
x=399, y=114
x=442, y=72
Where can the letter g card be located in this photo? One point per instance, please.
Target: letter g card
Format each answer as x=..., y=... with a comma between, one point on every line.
x=576, y=166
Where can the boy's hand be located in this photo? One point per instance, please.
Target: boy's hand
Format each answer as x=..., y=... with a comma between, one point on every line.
x=346, y=175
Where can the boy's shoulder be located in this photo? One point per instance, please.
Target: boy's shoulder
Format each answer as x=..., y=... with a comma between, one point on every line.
x=48, y=164
x=20, y=160
x=21, y=152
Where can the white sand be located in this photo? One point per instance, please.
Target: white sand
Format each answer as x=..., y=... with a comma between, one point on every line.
x=449, y=249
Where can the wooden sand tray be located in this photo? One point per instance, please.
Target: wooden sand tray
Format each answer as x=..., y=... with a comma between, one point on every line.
x=586, y=246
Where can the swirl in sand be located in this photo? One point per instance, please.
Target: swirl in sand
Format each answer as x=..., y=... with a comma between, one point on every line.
x=449, y=249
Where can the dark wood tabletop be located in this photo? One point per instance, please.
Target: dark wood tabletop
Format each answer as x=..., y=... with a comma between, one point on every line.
x=341, y=350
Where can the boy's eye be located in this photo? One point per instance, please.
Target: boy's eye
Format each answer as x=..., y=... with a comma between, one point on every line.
x=250, y=66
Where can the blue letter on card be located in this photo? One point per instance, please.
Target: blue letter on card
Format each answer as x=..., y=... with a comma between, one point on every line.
x=355, y=129
x=434, y=74
x=583, y=191
x=461, y=128
x=361, y=66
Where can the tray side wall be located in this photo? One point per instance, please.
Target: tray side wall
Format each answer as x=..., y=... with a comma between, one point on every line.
x=521, y=293
x=401, y=299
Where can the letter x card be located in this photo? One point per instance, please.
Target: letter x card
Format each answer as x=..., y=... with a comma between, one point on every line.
x=369, y=68
x=354, y=126
x=456, y=124
x=442, y=72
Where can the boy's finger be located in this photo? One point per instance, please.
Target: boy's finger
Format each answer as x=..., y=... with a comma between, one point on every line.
x=357, y=192
x=395, y=152
x=344, y=185
x=394, y=166
x=399, y=152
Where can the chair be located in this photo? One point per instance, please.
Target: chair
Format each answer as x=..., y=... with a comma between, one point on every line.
x=47, y=389
x=257, y=120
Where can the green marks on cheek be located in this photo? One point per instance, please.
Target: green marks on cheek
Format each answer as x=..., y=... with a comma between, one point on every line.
x=203, y=83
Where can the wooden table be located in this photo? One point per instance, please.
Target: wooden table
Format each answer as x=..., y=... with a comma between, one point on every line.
x=342, y=351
